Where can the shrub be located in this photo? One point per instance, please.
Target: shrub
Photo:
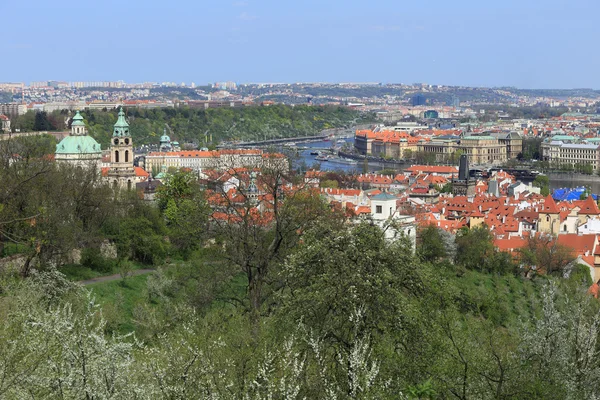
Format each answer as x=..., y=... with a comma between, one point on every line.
x=92, y=258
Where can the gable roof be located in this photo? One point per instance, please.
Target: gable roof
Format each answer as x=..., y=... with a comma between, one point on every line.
x=589, y=207
x=549, y=206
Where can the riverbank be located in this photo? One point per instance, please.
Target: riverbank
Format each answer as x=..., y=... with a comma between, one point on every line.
x=572, y=176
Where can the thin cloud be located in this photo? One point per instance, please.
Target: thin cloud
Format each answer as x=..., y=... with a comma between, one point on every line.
x=240, y=4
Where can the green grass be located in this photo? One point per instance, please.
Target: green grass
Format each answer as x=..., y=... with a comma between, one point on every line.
x=119, y=300
x=505, y=299
x=76, y=272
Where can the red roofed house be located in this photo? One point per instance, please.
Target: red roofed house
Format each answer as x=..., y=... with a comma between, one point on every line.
x=549, y=216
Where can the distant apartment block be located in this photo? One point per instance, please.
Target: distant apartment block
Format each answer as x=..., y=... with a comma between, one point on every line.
x=12, y=87
x=13, y=109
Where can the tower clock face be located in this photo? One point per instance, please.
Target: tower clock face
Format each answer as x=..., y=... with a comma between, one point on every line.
x=116, y=141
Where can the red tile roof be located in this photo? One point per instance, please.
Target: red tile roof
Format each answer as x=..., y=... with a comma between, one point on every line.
x=549, y=206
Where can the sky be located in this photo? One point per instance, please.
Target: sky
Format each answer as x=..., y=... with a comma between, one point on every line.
x=521, y=43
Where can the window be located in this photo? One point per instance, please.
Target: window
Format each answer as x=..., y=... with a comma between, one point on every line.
x=117, y=156
x=126, y=155
x=378, y=209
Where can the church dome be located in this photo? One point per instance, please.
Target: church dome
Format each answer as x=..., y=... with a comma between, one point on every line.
x=78, y=145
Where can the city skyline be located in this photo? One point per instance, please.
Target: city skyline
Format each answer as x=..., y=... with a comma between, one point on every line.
x=467, y=44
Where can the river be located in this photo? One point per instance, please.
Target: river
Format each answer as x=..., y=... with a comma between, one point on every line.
x=305, y=159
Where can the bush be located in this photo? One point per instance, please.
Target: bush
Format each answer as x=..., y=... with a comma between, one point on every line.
x=93, y=259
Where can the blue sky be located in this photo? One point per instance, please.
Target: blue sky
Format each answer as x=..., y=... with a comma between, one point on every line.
x=523, y=43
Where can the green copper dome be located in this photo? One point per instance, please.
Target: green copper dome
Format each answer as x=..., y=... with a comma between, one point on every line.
x=78, y=145
x=77, y=120
x=121, y=127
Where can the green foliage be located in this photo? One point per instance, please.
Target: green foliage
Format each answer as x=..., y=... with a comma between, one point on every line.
x=42, y=123
x=184, y=209
x=543, y=182
x=329, y=184
x=475, y=248
x=430, y=245
x=222, y=124
x=92, y=258
x=447, y=188
x=337, y=272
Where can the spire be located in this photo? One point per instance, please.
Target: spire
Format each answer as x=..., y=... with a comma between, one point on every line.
x=121, y=127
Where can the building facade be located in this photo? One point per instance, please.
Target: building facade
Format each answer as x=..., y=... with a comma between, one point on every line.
x=483, y=149
x=13, y=109
x=513, y=142
x=559, y=153
x=197, y=160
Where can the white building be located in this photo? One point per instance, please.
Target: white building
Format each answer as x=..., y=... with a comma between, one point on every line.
x=384, y=213
x=198, y=160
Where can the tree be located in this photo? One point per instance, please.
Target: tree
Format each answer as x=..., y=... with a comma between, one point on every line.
x=545, y=254
x=474, y=248
x=185, y=210
x=430, y=246
x=53, y=348
x=543, y=182
x=340, y=270
x=41, y=122
x=260, y=221
x=46, y=208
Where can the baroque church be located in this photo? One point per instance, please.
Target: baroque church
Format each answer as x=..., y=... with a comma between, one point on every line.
x=78, y=148
x=82, y=150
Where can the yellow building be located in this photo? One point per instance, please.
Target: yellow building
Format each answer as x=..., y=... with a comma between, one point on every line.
x=549, y=219
x=483, y=149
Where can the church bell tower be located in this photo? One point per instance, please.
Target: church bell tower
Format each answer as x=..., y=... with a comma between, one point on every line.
x=121, y=172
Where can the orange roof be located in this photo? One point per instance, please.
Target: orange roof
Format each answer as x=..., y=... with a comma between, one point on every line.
x=141, y=172
x=510, y=244
x=594, y=289
x=579, y=243
x=589, y=207
x=440, y=169
x=549, y=206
